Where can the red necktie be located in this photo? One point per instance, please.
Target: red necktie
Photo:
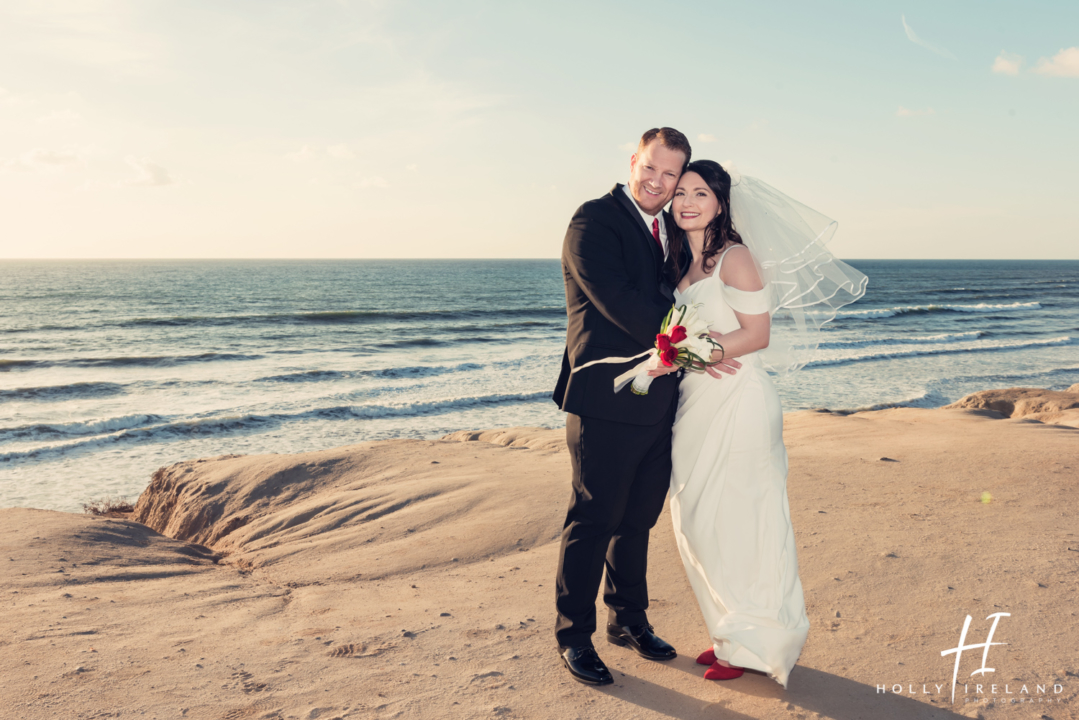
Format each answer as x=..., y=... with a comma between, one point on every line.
x=655, y=233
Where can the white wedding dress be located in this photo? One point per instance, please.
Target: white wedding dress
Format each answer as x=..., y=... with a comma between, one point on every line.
x=729, y=498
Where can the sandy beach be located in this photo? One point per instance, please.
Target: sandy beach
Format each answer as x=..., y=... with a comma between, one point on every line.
x=414, y=579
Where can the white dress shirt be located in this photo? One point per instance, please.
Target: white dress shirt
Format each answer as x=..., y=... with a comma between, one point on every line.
x=649, y=218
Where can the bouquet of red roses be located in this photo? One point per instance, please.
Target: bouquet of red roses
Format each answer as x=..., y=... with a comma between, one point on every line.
x=683, y=340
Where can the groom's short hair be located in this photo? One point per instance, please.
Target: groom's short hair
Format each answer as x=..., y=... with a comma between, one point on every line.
x=670, y=139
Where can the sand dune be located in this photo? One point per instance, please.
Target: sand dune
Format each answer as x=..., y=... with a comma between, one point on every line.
x=409, y=579
x=361, y=512
x=1046, y=406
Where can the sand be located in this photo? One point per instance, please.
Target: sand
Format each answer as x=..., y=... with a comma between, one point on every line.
x=414, y=579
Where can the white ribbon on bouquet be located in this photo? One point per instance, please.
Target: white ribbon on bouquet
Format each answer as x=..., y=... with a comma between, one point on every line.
x=638, y=374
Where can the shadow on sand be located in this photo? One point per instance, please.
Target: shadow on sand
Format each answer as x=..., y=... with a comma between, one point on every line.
x=809, y=690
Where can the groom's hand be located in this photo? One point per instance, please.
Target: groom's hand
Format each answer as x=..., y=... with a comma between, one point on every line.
x=725, y=367
x=663, y=370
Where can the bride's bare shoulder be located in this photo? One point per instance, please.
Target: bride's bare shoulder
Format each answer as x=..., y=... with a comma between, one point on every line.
x=738, y=270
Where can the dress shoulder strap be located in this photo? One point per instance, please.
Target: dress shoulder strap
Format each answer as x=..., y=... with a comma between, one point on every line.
x=719, y=263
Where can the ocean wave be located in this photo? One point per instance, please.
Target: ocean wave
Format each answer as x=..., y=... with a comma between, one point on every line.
x=223, y=425
x=1069, y=375
x=308, y=376
x=36, y=328
x=905, y=340
x=921, y=309
x=62, y=392
x=44, y=431
x=323, y=317
x=413, y=409
x=989, y=347
x=157, y=360
x=421, y=371
x=413, y=342
x=367, y=316
x=6, y=365
x=489, y=327
x=924, y=399
x=428, y=341
x=980, y=295
x=127, y=361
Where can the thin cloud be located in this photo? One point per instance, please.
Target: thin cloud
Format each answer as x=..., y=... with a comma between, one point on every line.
x=1064, y=64
x=1007, y=63
x=45, y=160
x=98, y=34
x=376, y=181
x=706, y=138
x=913, y=37
x=9, y=98
x=304, y=154
x=341, y=152
x=906, y=112
x=149, y=174
x=628, y=147
x=60, y=118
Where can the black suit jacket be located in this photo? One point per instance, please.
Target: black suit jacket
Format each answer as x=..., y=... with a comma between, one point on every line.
x=618, y=290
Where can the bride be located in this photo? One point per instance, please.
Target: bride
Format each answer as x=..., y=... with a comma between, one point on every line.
x=728, y=492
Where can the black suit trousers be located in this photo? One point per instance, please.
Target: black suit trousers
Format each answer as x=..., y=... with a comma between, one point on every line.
x=621, y=474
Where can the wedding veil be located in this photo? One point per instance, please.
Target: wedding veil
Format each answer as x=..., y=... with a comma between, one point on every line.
x=808, y=284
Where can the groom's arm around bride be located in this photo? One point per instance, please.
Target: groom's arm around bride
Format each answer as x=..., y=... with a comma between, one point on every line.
x=618, y=290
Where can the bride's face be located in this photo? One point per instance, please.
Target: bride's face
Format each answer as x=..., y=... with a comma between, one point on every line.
x=694, y=205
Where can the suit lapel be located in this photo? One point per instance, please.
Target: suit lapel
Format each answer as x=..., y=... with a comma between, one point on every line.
x=627, y=204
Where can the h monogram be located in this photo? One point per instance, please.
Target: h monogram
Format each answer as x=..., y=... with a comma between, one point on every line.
x=985, y=653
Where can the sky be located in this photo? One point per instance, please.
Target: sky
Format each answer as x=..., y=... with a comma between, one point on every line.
x=352, y=129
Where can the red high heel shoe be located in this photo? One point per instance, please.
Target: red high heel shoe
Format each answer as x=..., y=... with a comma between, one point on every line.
x=722, y=672
x=707, y=657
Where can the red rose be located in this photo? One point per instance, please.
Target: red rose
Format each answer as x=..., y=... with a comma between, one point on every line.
x=677, y=333
x=663, y=343
x=668, y=356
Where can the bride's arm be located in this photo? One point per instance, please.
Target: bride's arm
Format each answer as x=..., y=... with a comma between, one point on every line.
x=740, y=273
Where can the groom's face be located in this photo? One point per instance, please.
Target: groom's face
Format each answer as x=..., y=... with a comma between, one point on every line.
x=653, y=175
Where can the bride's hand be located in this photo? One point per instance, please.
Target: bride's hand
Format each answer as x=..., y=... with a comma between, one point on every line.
x=726, y=366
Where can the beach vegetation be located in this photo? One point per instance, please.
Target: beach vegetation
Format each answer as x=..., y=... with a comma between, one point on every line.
x=111, y=506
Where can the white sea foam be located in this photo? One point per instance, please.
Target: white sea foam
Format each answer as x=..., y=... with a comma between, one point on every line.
x=900, y=353
x=81, y=427
x=134, y=429
x=905, y=340
x=893, y=311
x=923, y=399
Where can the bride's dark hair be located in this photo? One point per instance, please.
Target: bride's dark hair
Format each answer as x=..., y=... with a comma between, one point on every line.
x=721, y=230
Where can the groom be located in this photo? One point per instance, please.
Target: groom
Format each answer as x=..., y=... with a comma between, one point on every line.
x=619, y=288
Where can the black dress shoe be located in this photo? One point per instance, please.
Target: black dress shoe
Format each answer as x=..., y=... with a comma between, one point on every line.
x=642, y=639
x=585, y=666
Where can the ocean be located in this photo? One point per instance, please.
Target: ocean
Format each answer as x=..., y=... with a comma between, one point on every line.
x=111, y=369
